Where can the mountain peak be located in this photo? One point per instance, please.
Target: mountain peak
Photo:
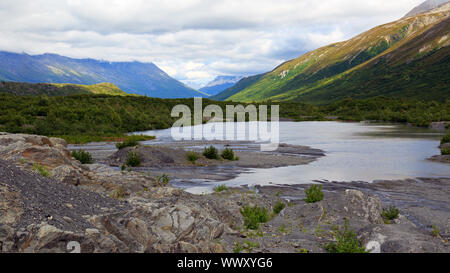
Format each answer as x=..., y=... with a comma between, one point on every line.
x=220, y=83
x=426, y=6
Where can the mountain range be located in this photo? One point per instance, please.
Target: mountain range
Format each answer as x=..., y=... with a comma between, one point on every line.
x=132, y=77
x=425, y=7
x=406, y=58
x=219, y=84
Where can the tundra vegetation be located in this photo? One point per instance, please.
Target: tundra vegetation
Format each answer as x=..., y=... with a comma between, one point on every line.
x=82, y=156
x=314, y=194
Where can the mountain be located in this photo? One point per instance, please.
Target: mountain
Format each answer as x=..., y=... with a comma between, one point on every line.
x=219, y=84
x=56, y=89
x=132, y=77
x=406, y=58
x=238, y=87
x=425, y=7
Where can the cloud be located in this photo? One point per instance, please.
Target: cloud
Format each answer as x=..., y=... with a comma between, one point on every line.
x=192, y=40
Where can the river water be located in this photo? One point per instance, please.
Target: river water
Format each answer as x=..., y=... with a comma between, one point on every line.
x=354, y=152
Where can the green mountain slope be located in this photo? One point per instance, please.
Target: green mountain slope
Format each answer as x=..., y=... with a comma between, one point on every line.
x=54, y=89
x=408, y=57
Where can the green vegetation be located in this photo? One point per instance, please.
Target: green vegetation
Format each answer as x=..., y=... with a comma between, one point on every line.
x=192, y=156
x=246, y=246
x=133, y=141
x=445, y=151
x=228, y=154
x=314, y=194
x=211, y=153
x=119, y=193
x=42, y=170
x=445, y=139
x=435, y=231
x=82, y=156
x=133, y=159
x=346, y=241
x=253, y=216
x=220, y=188
x=162, y=180
x=279, y=206
x=390, y=214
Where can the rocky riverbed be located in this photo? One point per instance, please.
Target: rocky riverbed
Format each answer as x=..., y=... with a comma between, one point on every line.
x=107, y=210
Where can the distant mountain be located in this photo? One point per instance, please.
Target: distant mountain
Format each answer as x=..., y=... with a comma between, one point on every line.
x=406, y=58
x=57, y=89
x=238, y=87
x=132, y=77
x=219, y=84
x=425, y=7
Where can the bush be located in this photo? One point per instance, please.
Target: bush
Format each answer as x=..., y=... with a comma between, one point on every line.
x=445, y=151
x=279, y=206
x=211, y=153
x=346, y=242
x=253, y=216
x=445, y=139
x=133, y=159
x=228, y=154
x=82, y=156
x=314, y=194
x=42, y=170
x=192, y=156
x=220, y=188
x=390, y=214
x=131, y=142
x=162, y=180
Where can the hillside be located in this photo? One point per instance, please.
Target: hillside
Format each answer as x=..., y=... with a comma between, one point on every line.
x=219, y=84
x=409, y=57
x=425, y=7
x=30, y=89
x=132, y=77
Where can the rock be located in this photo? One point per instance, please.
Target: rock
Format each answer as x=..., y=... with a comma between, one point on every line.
x=439, y=126
x=363, y=205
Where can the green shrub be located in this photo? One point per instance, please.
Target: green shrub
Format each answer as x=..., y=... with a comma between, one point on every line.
x=445, y=151
x=131, y=142
x=435, y=231
x=42, y=170
x=133, y=159
x=314, y=194
x=192, y=156
x=220, y=188
x=445, y=139
x=346, y=242
x=228, y=154
x=211, y=153
x=82, y=156
x=162, y=180
x=279, y=206
x=391, y=213
x=253, y=216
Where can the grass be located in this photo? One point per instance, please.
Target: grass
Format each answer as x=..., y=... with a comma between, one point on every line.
x=83, y=139
x=279, y=206
x=435, y=231
x=220, y=188
x=246, y=246
x=346, y=241
x=118, y=194
x=390, y=214
x=162, y=180
x=211, y=153
x=314, y=194
x=133, y=159
x=42, y=170
x=82, y=156
x=192, y=156
x=254, y=216
x=133, y=141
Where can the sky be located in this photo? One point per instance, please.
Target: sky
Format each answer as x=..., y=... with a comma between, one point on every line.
x=192, y=40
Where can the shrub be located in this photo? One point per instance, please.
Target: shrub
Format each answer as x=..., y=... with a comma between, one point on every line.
x=119, y=193
x=133, y=159
x=279, y=206
x=220, y=188
x=211, y=153
x=435, y=231
x=131, y=142
x=445, y=139
x=391, y=213
x=192, y=156
x=82, y=156
x=228, y=154
x=162, y=180
x=314, y=194
x=253, y=216
x=346, y=242
x=445, y=151
x=42, y=170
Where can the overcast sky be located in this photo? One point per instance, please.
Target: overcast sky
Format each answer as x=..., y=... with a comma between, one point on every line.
x=192, y=40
